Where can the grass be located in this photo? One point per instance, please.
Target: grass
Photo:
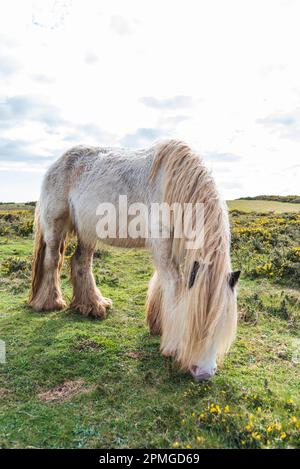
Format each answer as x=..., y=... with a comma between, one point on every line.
x=69, y=381
x=263, y=206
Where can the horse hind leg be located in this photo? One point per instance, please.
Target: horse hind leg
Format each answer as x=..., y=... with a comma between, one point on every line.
x=154, y=305
x=45, y=292
x=86, y=296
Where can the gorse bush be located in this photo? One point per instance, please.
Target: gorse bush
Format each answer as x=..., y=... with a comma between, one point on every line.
x=14, y=265
x=281, y=305
x=267, y=246
x=16, y=222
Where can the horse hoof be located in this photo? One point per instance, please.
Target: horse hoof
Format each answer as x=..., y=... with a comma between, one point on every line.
x=96, y=309
x=56, y=305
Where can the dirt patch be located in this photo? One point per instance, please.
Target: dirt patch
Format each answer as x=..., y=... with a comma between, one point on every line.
x=65, y=391
x=86, y=344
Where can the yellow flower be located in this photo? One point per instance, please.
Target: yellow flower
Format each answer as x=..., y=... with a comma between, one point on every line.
x=282, y=435
x=193, y=414
x=277, y=426
x=175, y=444
x=226, y=409
x=249, y=427
x=294, y=420
x=182, y=421
x=290, y=401
x=258, y=410
x=256, y=436
x=200, y=439
x=269, y=429
x=188, y=446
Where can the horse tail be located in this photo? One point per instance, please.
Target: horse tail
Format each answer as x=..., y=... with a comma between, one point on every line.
x=38, y=257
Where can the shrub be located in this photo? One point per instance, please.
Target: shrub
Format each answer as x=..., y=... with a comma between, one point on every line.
x=15, y=265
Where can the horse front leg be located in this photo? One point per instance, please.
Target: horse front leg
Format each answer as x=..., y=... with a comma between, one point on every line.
x=154, y=304
x=164, y=289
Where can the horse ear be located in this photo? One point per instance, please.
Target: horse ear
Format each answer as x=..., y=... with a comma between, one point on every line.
x=233, y=278
x=193, y=274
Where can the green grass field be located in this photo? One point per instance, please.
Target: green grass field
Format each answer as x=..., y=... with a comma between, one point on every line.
x=70, y=381
x=262, y=206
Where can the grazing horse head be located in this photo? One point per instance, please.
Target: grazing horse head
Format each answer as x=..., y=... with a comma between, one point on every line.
x=211, y=338
x=206, y=318
x=198, y=321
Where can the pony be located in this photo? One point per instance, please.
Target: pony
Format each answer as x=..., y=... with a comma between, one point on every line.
x=191, y=301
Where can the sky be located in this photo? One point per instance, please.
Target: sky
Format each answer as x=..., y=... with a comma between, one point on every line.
x=222, y=75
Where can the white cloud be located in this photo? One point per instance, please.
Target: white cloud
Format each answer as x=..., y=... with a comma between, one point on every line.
x=287, y=124
x=121, y=25
x=174, y=102
x=142, y=137
x=8, y=66
x=222, y=75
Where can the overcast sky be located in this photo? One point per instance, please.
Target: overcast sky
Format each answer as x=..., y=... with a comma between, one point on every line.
x=224, y=75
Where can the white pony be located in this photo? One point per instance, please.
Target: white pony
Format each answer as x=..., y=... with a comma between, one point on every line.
x=191, y=299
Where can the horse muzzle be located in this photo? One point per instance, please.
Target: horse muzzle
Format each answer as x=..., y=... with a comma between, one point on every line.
x=201, y=374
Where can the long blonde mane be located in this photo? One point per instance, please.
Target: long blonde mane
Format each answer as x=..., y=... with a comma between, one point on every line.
x=205, y=313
